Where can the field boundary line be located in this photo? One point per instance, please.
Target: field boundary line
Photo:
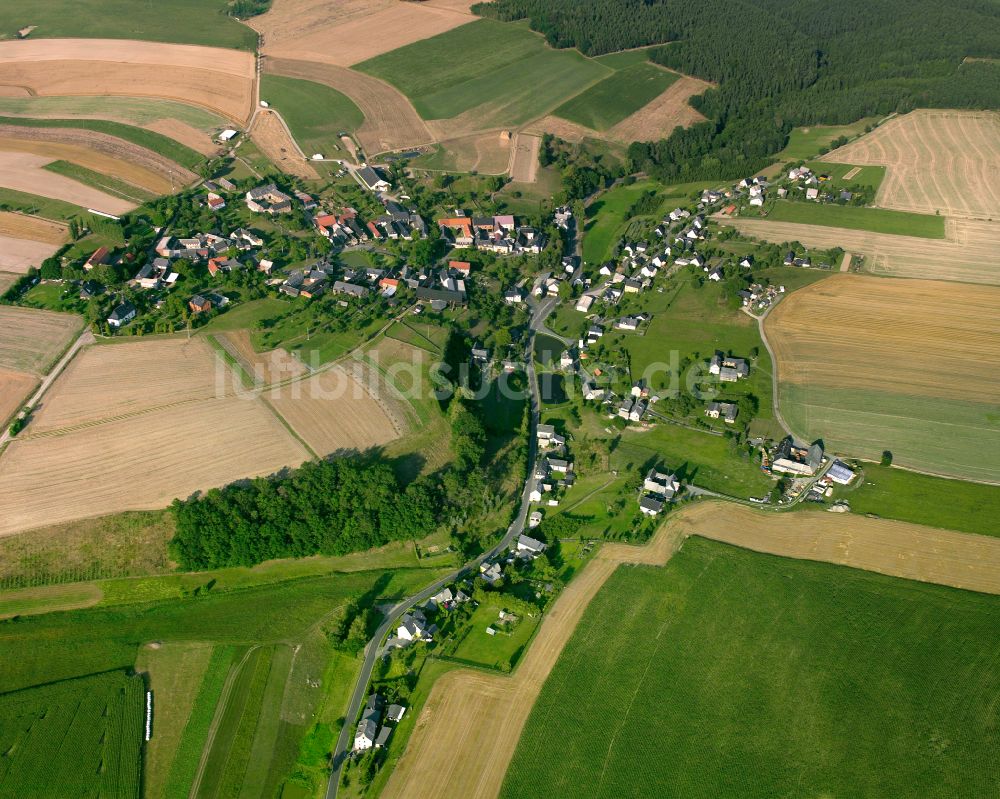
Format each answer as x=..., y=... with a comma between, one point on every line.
x=288, y=426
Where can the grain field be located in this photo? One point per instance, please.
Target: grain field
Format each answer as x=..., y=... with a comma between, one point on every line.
x=31, y=340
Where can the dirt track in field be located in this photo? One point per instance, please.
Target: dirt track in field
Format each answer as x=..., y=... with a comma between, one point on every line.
x=847, y=331
x=215, y=78
x=391, y=122
x=23, y=172
x=351, y=31
x=108, y=155
x=273, y=138
x=968, y=253
x=467, y=732
x=524, y=167
x=937, y=161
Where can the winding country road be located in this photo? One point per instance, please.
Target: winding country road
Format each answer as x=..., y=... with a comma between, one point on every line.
x=373, y=649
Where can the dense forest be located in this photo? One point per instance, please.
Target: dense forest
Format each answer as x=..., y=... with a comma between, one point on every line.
x=781, y=63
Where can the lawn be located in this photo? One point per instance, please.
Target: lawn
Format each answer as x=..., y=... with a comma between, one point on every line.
x=504, y=71
x=805, y=143
x=732, y=673
x=949, y=437
x=316, y=114
x=877, y=220
x=617, y=96
x=871, y=176
x=149, y=139
x=75, y=738
x=52, y=297
x=501, y=650
x=605, y=217
x=201, y=22
x=952, y=504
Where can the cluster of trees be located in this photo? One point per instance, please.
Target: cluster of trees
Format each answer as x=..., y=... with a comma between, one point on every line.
x=326, y=507
x=781, y=63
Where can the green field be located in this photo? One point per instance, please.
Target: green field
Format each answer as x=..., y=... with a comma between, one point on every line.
x=80, y=737
x=735, y=674
x=503, y=71
x=316, y=114
x=98, y=180
x=617, y=96
x=951, y=504
x=201, y=22
x=499, y=651
x=877, y=220
x=605, y=217
x=625, y=58
x=129, y=110
x=39, y=206
x=149, y=139
x=805, y=143
x=871, y=176
x=949, y=437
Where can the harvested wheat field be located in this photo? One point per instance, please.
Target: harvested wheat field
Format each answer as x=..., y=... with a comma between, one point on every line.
x=352, y=31
x=270, y=134
x=937, y=161
x=18, y=255
x=391, y=122
x=110, y=381
x=7, y=279
x=99, y=153
x=32, y=341
x=186, y=134
x=968, y=253
x=658, y=118
x=847, y=329
x=333, y=412
x=22, y=226
x=140, y=462
x=217, y=79
x=524, y=165
x=24, y=172
x=15, y=388
x=467, y=732
x=266, y=368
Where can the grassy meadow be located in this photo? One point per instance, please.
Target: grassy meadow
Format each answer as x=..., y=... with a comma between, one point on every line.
x=79, y=737
x=617, y=96
x=805, y=143
x=129, y=110
x=316, y=114
x=877, y=220
x=203, y=22
x=955, y=438
x=732, y=673
x=871, y=176
x=606, y=216
x=504, y=71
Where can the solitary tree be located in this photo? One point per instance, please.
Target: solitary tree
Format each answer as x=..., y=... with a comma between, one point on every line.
x=886, y=458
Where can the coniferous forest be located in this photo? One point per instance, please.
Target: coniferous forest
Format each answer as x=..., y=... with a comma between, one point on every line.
x=782, y=63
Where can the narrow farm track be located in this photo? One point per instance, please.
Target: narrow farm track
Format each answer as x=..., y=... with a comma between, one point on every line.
x=467, y=732
x=62, y=431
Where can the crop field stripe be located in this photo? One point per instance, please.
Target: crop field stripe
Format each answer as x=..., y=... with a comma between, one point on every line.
x=617, y=96
x=108, y=183
x=877, y=220
x=149, y=139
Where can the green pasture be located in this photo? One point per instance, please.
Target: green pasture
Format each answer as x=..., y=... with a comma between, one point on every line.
x=505, y=647
x=316, y=114
x=806, y=142
x=617, y=96
x=871, y=176
x=129, y=110
x=877, y=220
x=733, y=673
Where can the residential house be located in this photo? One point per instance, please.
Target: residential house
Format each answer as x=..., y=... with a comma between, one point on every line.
x=414, y=627
x=514, y=296
x=492, y=572
x=100, y=256
x=728, y=369
x=664, y=486
x=122, y=315
x=547, y=436
x=352, y=289
x=584, y=303
x=365, y=737
x=724, y=410
x=199, y=304
x=90, y=289
x=372, y=179
x=650, y=506
x=801, y=461
x=395, y=713
x=529, y=547
x=268, y=199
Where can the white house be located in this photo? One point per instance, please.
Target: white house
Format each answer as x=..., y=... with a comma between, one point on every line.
x=122, y=315
x=366, y=734
x=584, y=303
x=529, y=546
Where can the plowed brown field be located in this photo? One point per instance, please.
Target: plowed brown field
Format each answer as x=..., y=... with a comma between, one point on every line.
x=391, y=122
x=968, y=253
x=937, y=161
x=852, y=331
x=468, y=730
x=218, y=79
x=333, y=412
x=351, y=31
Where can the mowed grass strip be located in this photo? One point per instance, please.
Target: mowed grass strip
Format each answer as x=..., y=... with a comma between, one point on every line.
x=731, y=673
x=45, y=207
x=76, y=738
x=98, y=180
x=617, y=96
x=505, y=68
x=127, y=110
x=316, y=114
x=150, y=139
x=877, y=220
x=201, y=22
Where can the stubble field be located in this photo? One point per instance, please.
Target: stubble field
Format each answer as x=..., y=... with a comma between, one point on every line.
x=905, y=365
x=17, y=254
x=468, y=731
x=25, y=172
x=14, y=389
x=274, y=141
x=730, y=673
x=937, y=161
x=31, y=341
x=217, y=79
x=967, y=253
